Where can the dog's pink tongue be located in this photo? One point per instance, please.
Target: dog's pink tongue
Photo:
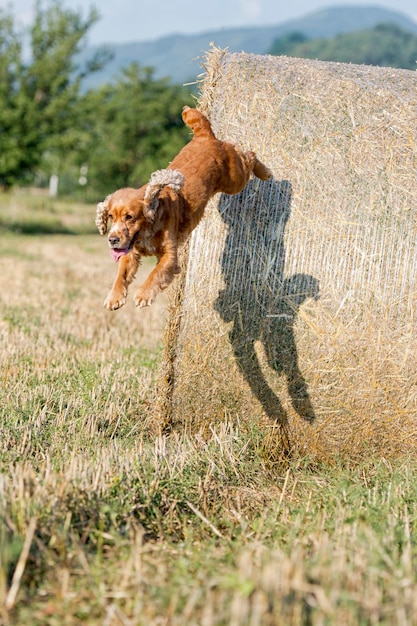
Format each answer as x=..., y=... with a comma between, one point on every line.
x=117, y=253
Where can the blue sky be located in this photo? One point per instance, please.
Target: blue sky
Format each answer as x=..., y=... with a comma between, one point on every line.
x=141, y=20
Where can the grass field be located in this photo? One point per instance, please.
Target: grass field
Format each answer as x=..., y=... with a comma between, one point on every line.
x=106, y=522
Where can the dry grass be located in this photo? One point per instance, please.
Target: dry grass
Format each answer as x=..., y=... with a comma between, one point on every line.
x=103, y=522
x=300, y=294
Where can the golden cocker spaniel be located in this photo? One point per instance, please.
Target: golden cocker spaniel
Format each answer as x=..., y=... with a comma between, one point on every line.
x=156, y=218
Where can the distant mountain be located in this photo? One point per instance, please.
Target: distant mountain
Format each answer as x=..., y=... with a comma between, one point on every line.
x=179, y=56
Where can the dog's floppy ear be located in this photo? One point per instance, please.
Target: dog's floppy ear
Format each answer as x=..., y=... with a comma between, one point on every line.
x=102, y=212
x=158, y=180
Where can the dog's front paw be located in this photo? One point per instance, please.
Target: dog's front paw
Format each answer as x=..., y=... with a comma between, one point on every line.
x=145, y=297
x=114, y=301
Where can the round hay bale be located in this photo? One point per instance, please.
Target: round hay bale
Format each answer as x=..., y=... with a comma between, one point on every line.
x=298, y=296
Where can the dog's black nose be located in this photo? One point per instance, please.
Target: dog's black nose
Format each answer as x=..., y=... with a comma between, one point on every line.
x=113, y=241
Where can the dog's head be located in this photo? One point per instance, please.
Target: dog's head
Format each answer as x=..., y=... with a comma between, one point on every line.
x=132, y=211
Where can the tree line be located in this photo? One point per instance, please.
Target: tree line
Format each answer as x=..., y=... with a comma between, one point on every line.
x=108, y=137
x=386, y=45
x=114, y=135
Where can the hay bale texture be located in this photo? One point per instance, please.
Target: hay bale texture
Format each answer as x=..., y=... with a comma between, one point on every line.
x=297, y=303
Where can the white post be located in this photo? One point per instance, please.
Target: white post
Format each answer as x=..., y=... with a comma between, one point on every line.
x=53, y=185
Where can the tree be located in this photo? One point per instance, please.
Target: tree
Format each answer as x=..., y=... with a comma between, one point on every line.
x=131, y=128
x=38, y=98
x=122, y=131
x=52, y=80
x=15, y=146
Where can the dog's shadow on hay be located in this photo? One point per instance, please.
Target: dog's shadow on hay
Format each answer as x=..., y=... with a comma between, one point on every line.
x=261, y=302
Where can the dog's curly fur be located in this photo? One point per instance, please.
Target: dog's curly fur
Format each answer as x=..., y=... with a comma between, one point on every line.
x=155, y=219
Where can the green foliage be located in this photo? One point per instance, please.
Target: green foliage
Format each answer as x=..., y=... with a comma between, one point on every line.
x=131, y=128
x=385, y=45
x=52, y=82
x=118, y=134
x=16, y=136
x=38, y=98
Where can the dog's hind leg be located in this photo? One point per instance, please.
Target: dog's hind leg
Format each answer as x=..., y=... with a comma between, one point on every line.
x=258, y=168
x=261, y=171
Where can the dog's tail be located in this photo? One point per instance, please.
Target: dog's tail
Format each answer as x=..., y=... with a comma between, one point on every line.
x=198, y=122
x=160, y=179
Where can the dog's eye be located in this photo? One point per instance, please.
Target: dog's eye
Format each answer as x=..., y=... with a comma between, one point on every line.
x=128, y=217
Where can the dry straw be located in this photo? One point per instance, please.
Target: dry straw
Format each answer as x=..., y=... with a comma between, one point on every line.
x=298, y=296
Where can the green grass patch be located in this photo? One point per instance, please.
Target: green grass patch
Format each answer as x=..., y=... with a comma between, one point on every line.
x=26, y=214
x=201, y=529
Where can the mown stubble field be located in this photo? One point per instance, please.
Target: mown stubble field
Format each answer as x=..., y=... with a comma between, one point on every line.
x=106, y=521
